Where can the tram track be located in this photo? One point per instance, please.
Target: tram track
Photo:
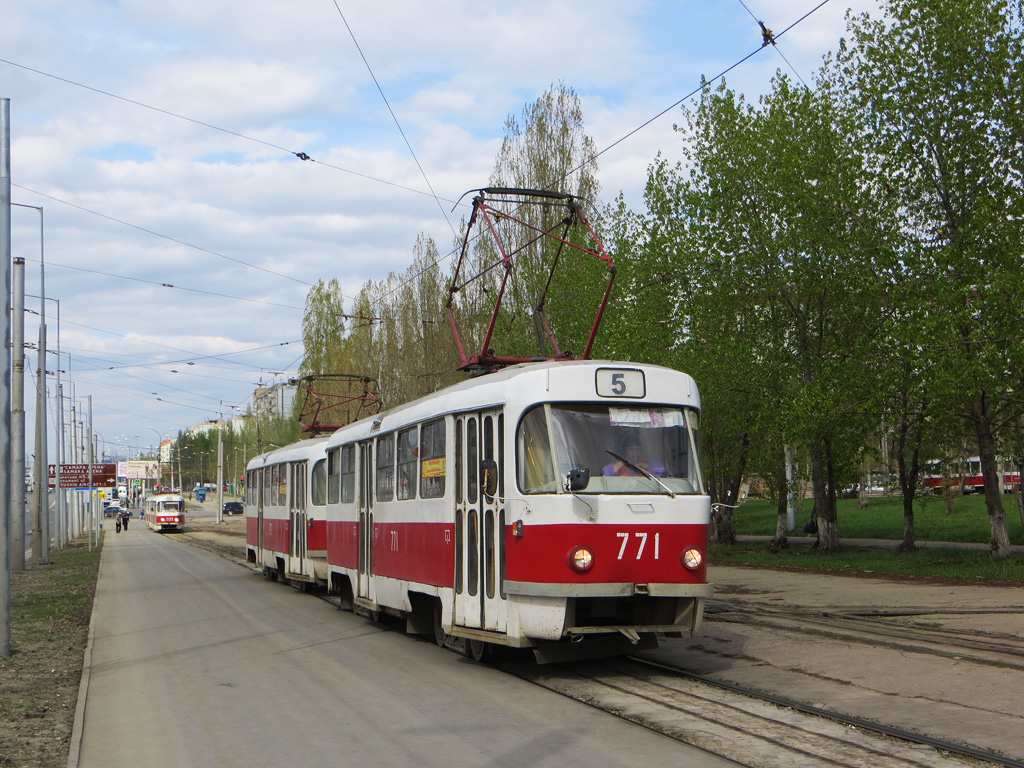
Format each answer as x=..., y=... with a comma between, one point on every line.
x=882, y=629
x=738, y=724
x=941, y=745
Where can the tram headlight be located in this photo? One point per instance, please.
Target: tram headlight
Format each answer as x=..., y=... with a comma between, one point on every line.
x=581, y=559
x=692, y=558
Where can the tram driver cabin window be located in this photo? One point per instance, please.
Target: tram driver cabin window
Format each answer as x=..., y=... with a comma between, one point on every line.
x=621, y=446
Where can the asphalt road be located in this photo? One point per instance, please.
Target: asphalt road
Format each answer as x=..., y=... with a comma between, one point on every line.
x=194, y=660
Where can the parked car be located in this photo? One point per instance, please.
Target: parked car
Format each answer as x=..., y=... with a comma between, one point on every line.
x=234, y=508
x=113, y=510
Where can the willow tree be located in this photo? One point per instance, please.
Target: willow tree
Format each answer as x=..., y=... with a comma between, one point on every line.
x=545, y=148
x=395, y=333
x=936, y=88
x=323, y=327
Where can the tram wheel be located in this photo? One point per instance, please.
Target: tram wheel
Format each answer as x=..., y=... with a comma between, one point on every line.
x=439, y=635
x=479, y=649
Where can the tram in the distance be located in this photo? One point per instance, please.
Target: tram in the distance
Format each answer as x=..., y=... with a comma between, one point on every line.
x=164, y=512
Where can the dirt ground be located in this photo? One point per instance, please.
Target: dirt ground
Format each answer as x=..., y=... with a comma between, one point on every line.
x=51, y=606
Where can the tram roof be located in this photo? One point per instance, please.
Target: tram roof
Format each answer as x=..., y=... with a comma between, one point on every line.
x=514, y=386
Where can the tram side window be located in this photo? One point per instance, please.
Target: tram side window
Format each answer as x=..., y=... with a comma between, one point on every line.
x=459, y=463
x=282, y=484
x=298, y=485
x=348, y=474
x=407, y=450
x=333, y=476
x=432, y=460
x=472, y=462
x=386, y=468
x=269, y=486
x=318, y=484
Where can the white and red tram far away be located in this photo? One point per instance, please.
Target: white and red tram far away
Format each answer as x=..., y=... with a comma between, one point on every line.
x=164, y=512
x=551, y=505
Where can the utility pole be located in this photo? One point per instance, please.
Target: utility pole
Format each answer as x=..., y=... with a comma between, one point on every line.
x=220, y=473
x=65, y=521
x=18, y=419
x=94, y=524
x=5, y=377
x=41, y=516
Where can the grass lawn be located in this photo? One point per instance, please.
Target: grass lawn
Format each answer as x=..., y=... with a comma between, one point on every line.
x=883, y=519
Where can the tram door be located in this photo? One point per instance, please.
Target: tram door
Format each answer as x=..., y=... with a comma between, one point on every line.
x=365, y=501
x=479, y=521
x=260, y=483
x=297, y=515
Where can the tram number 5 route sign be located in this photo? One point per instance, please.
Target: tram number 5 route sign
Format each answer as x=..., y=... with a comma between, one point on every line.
x=620, y=382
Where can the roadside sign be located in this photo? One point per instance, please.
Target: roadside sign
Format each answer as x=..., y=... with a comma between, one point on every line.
x=77, y=475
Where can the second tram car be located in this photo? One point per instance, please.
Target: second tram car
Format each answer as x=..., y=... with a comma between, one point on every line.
x=557, y=506
x=286, y=521
x=164, y=512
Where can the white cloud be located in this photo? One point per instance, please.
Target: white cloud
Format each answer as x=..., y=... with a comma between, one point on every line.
x=278, y=78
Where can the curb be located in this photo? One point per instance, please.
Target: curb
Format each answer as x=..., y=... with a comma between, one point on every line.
x=78, y=728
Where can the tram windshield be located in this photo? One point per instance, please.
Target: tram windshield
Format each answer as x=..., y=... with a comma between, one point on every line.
x=636, y=450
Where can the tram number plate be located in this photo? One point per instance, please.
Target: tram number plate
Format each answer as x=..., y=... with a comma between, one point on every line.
x=620, y=382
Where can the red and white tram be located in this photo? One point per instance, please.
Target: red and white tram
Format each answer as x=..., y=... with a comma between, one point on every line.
x=164, y=512
x=552, y=505
x=285, y=507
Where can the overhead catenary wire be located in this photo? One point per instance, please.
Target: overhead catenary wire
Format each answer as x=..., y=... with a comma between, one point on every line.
x=298, y=154
x=161, y=235
x=303, y=156
x=50, y=263
x=633, y=132
x=394, y=117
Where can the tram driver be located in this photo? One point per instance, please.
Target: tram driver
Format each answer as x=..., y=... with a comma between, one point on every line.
x=628, y=448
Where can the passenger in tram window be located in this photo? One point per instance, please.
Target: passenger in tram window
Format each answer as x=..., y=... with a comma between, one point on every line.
x=628, y=447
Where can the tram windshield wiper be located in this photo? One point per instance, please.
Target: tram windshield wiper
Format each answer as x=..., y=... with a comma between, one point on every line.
x=641, y=471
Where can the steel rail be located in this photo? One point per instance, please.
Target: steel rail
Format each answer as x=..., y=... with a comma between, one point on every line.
x=858, y=722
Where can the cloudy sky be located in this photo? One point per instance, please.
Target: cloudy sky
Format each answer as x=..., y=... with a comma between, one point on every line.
x=182, y=232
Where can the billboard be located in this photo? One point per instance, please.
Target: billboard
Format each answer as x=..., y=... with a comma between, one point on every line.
x=139, y=469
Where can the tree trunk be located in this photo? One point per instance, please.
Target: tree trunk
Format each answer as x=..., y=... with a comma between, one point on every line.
x=782, y=518
x=908, y=478
x=1018, y=465
x=865, y=479
x=990, y=474
x=724, y=533
x=823, y=482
